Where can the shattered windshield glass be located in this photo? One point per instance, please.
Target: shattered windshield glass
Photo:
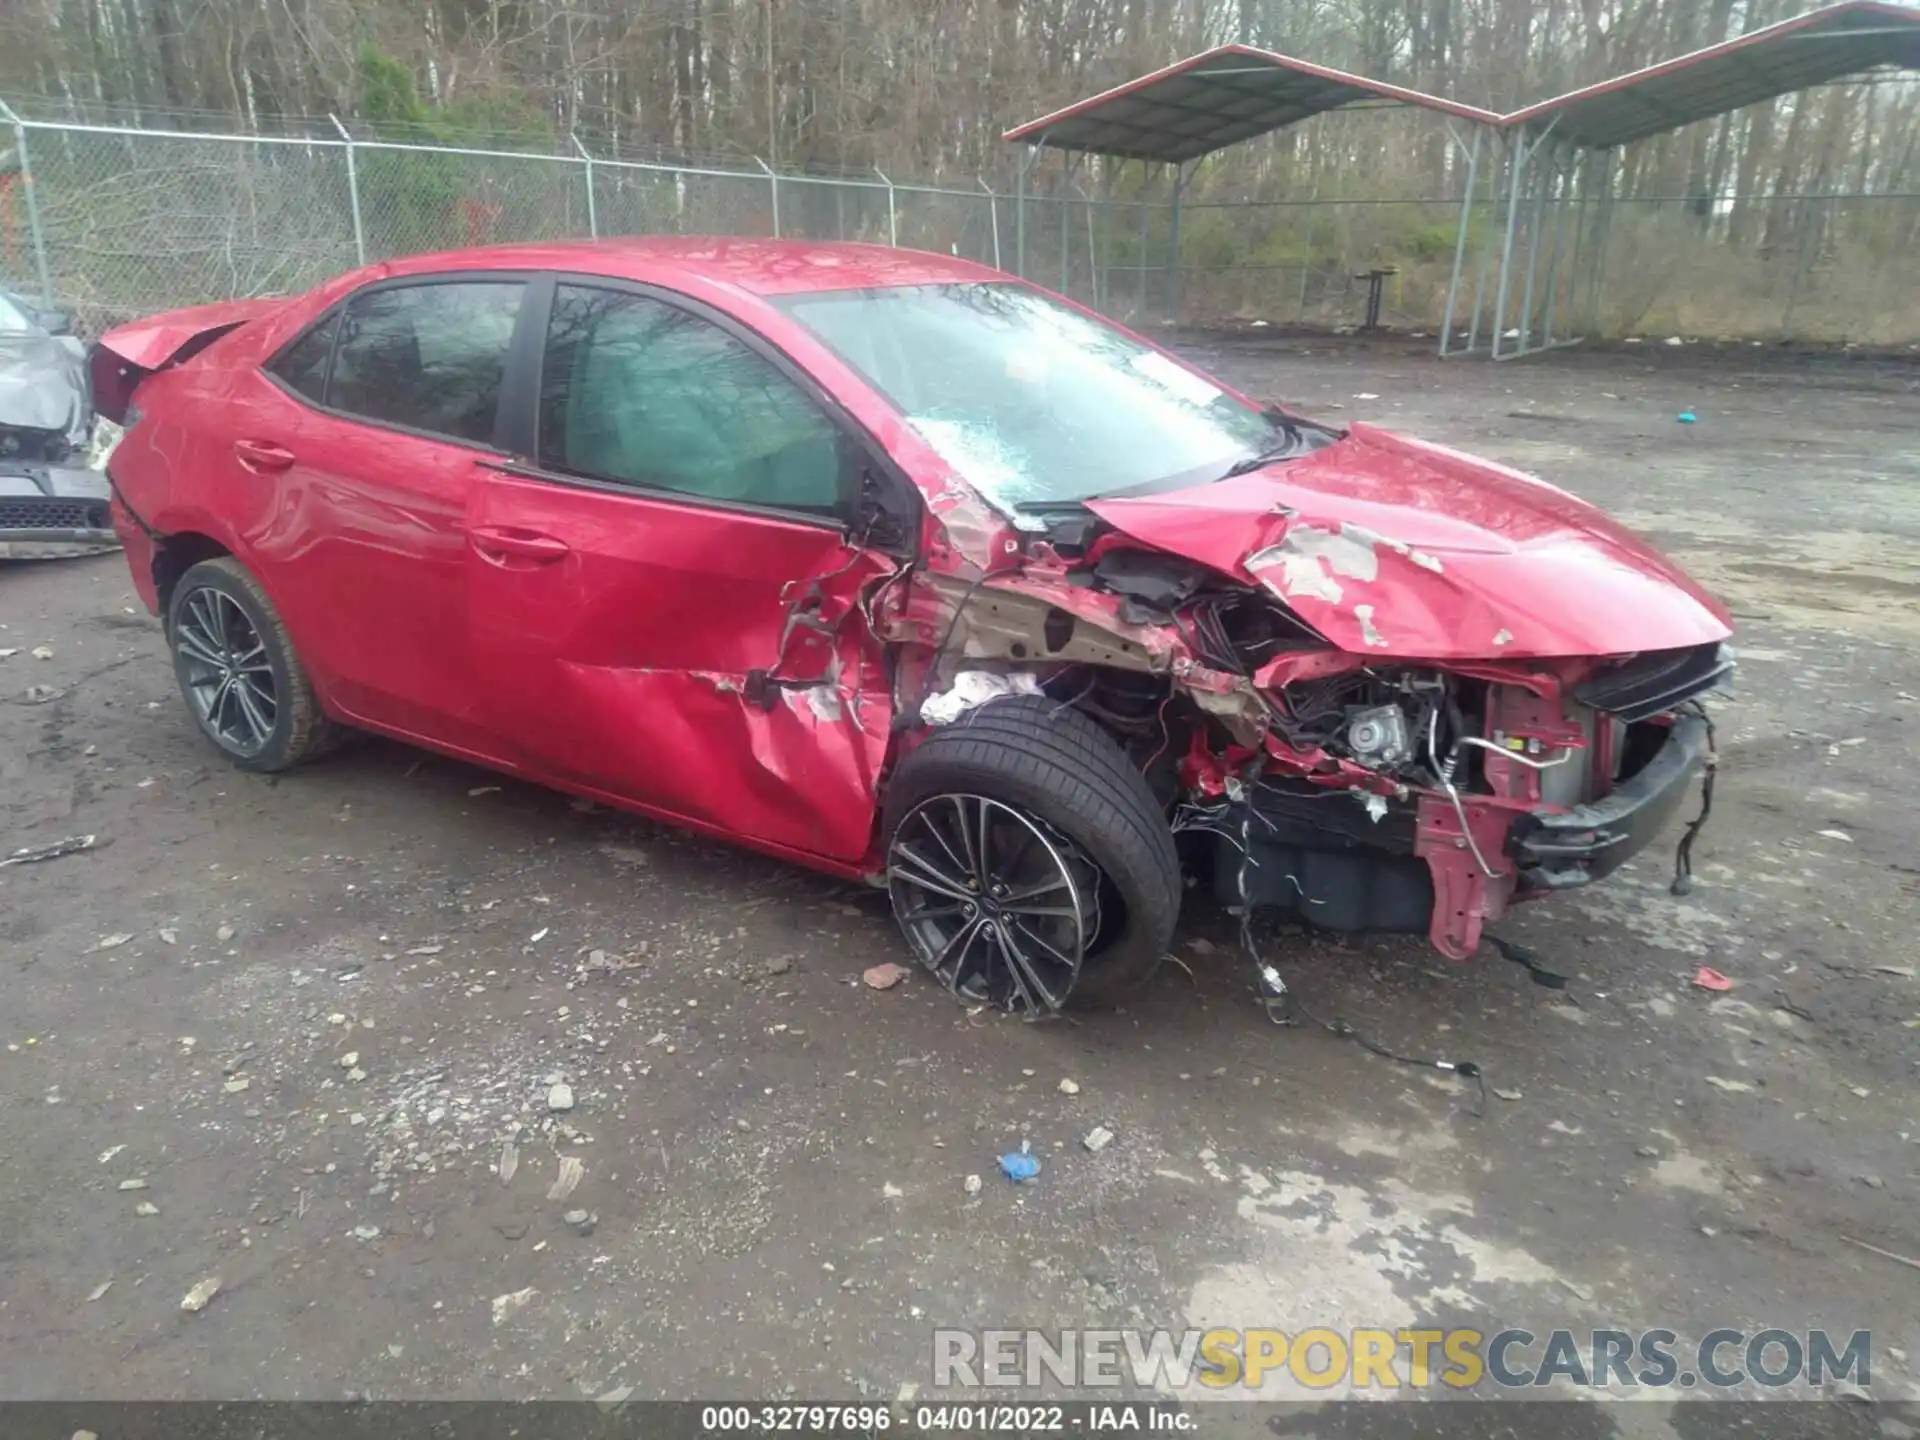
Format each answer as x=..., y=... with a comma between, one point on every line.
x=1033, y=402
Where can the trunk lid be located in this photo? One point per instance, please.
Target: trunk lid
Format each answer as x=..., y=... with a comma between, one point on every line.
x=127, y=354
x=1397, y=547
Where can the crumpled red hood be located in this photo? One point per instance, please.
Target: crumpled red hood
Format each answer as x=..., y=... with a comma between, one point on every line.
x=1392, y=546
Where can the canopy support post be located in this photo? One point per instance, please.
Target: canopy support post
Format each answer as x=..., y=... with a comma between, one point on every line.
x=1140, y=260
x=1523, y=153
x=1460, y=238
x=1568, y=157
x=1093, y=248
x=1066, y=220
x=1020, y=208
x=1516, y=173
x=1542, y=182
x=1103, y=274
x=1584, y=170
x=1173, y=249
x=1602, y=228
x=1486, y=258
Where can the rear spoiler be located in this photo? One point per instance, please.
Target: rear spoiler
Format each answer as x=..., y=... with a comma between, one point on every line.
x=127, y=354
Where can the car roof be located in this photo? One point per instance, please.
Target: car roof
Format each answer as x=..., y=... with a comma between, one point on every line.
x=757, y=267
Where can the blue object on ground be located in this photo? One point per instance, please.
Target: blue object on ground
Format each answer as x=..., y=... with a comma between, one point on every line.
x=1686, y=417
x=1017, y=1166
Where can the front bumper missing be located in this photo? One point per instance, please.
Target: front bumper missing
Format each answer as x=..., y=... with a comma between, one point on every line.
x=1579, y=846
x=1325, y=860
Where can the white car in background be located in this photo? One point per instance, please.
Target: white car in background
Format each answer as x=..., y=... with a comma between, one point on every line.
x=53, y=493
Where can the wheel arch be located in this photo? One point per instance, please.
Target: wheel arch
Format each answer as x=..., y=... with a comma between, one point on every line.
x=298, y=727
x=174, y=555
x=1038, y=755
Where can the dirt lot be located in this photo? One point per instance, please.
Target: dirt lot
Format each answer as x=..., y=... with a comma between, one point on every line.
x=305, y=1014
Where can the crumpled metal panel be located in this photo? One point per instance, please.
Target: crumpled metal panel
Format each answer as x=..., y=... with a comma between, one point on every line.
x=127, y=354
x=801, y=777
x=42, y=385
x=152, y=342
x=705, y=664
x=1394, y=547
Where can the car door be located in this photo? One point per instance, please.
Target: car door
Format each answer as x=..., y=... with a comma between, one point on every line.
x=367, y=548
x=665, y=605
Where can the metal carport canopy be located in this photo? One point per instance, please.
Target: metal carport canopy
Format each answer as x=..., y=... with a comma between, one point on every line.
x=1811, y=49
x=1216, y=99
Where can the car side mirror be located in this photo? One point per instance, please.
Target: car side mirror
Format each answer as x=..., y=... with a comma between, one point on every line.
x=55, y=322
x=886, y=513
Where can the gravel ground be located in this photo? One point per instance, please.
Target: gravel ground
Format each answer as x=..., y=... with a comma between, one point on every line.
x=302, y=1018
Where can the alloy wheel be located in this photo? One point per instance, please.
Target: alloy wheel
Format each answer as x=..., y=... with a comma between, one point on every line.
x=999, y=906
x=225, y=671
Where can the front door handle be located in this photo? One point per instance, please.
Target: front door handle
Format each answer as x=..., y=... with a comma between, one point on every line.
x=262, y=457
x=502, y=543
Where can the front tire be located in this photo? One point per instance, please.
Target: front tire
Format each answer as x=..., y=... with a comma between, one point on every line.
x=1030, y=866
x=241, y=679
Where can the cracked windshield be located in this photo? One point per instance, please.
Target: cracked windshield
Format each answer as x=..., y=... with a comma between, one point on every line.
x=1032, y=402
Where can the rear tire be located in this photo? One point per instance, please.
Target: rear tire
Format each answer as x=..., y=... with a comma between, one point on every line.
x=1059, y=803
x=242, y=681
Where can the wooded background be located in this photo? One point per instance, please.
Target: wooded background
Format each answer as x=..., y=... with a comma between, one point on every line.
x=923, y=91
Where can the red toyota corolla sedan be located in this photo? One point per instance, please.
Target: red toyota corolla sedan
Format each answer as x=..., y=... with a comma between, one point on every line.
x=899, y=567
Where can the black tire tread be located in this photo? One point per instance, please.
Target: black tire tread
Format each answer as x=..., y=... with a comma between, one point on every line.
x=1052, y=759
x=310, y=733
x=1070, y=738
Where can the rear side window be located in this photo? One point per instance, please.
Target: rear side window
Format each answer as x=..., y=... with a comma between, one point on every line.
x=429, y=357
x=304, y=366
x=644, y=393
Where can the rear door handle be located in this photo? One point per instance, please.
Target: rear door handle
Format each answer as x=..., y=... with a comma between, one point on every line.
x=262, y=457
x=503, y=543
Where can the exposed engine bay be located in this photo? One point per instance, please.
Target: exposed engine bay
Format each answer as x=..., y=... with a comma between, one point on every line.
x=53, y=497
x=1360, y=794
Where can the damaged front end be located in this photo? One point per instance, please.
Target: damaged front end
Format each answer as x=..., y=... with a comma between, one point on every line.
x=1427, y=800
x=53, y=503
x=53, y=498
x=1368, y=730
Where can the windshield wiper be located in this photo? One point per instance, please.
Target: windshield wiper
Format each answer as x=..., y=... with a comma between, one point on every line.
x=1052, y=507
x=1294, y=444
x=1301, y=437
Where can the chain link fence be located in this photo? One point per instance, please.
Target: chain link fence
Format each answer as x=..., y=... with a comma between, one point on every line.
x=635, y=200
x=1830, y=269
x=115, y=221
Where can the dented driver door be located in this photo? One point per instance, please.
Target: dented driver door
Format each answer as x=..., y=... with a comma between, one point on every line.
x=664, y=606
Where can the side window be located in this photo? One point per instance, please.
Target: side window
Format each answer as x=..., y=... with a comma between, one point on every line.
x=639, y=391
x=304, y=366
x=429, y=357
